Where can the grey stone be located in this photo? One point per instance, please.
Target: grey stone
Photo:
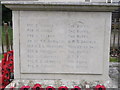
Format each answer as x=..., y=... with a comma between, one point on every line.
x=114, y=73
x=62, y=5
x=60, y=41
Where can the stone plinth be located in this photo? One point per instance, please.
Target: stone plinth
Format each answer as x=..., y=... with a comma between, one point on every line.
x=61, y=40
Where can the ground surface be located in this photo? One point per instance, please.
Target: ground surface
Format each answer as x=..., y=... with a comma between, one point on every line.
x=114, y=73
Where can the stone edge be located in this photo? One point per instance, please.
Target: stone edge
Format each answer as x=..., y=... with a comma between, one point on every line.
x=60, y=6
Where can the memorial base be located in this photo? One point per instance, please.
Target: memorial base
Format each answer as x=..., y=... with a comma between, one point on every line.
x=58, y=83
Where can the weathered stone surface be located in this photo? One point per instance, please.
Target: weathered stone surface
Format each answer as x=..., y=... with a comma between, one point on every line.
x=64, y=45
x=60, y=6
x=61, y=40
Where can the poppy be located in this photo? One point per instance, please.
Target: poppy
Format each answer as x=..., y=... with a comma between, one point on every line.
x=2, y=87
x=10, y=64
x=10, y=58
x=10, y=53
x=6, y=82
x=3, y=61
x=63, y=88
x=50, y=88
x=5, y=55
x=24, y=87
x=1, y=79
x=5, y=67
x=76, y=88
x=37, y=87
x=100, y=87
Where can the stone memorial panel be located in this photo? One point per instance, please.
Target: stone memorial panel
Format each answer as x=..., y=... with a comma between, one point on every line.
x=62, y=42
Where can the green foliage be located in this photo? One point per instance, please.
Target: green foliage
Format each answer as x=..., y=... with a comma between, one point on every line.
x=114, y=59
x=1, y=56
x=10, y=35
